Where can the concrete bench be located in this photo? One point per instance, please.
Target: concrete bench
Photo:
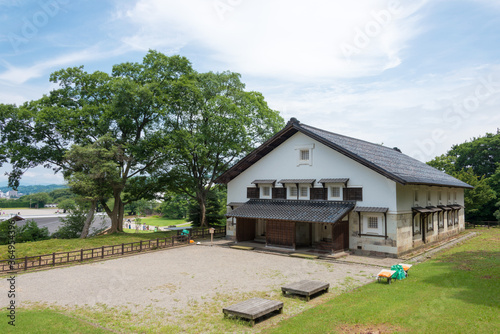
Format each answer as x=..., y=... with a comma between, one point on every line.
x=305, y=288
x=254, y=308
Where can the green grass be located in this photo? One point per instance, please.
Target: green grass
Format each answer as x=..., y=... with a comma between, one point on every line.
x=458, y=291
x=65, y=245
x=160, y=221
x=30, y=321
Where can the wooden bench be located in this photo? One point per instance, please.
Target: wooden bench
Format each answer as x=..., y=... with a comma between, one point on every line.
x=305, y=288
x=254, y=308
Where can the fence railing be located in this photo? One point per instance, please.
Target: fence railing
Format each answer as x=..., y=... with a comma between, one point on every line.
x=204, y=232
x=482, y=223
x=27, y=262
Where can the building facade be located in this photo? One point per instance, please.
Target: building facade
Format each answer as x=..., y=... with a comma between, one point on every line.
x=310, y=188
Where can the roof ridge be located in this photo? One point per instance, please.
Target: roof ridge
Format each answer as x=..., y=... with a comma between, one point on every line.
x=344, y=136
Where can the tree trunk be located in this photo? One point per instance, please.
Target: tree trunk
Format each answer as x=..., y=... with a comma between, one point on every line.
x=88, y=220
x=201, y=197
x=117, y=214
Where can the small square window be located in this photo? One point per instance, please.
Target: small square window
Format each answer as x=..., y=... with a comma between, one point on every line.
x=304, y=155
x=416, y=196
x=266, y=191
x=455, y=195
x=293, y=191
x=303, y=191
x=335, y=192
x=440, y=195
x=373, y=222
x=428, y=196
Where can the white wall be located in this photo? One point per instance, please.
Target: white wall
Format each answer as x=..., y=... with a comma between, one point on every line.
x=281, y=163
x=405, y=196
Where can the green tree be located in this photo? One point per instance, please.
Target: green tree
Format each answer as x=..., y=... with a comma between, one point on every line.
x=124, y=115
x=38, y=200
x=475, y=199
x=215, y=209
x=217, y=122
x=175, y=206
x=482, y=154
x=67, y=205
x=59, y=195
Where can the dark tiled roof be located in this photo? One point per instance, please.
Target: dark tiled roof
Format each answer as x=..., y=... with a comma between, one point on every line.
x=344, y=180
x=370, y=209
x=263, y=181
x=297, y=181
x=384, y=160
x=421, y=210
x=299, y=211
x=434, y=209
x=235, y=203
x=444, y=207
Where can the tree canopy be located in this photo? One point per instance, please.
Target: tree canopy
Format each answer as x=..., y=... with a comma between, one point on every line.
x=140, y=130
x=216, y=122
x=123, y=115
x=476, y=162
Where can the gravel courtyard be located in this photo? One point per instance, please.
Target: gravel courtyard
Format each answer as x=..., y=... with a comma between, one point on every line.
x=173, y=278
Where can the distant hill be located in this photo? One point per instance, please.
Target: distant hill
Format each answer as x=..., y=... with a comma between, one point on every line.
x=26, y=190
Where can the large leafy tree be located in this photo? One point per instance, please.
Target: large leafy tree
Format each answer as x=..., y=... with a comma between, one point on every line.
x=216, y=122
x=475, y=162
x=123, y=115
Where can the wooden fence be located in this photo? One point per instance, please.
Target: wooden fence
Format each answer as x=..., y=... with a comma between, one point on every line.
x=28, y=262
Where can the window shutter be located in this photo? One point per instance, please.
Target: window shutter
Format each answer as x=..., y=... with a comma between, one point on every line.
x=353, y=194
x=253, y=192
x=279, y=193
x=317, y=193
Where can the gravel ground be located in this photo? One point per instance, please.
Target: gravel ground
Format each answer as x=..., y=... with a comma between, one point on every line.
x=172, y=279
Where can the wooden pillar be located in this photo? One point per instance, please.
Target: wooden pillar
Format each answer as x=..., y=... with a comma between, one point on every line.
x=385, y=222
x=294, y=234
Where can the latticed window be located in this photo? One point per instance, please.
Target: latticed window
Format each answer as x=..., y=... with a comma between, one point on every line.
x=266, y=191
x=373, y=222
x=293, y=191
x=304, y=155
x=335, y=191
x=303, y=191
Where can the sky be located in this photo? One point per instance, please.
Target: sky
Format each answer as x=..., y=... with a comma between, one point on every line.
x=418, y=75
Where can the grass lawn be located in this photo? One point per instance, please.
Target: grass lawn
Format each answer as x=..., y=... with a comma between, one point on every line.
x=160, y=221
x=458, y=291
x=65, y=245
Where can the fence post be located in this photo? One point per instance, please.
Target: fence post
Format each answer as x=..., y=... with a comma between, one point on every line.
x=67, y=259
x=157, y=242
x=54, y=258
x=26, y=263
x=172, y=240
x=122, y=247
x=140, y=246
x=149, y=244
x=102, y=253
x=81, y=255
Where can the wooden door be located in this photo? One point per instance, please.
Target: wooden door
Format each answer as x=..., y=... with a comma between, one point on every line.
x=245, y=229
x=340, y=236
x=280, y=233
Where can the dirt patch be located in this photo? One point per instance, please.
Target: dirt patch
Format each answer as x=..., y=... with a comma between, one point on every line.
x=368, y=329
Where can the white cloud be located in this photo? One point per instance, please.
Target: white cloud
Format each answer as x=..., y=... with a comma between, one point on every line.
x=19, y=75
x=423, y=117
x=287, y=39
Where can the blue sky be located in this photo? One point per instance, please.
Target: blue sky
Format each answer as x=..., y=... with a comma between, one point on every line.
x=419, y=75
